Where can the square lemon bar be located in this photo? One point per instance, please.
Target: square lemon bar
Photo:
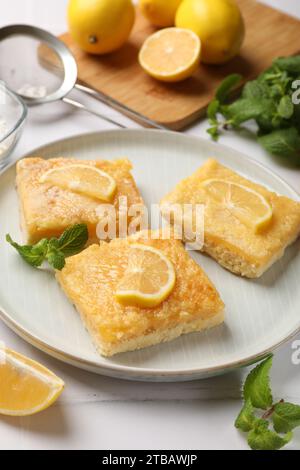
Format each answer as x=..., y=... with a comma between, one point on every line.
x=91, y=279
x=246, y=227
x=47, y=209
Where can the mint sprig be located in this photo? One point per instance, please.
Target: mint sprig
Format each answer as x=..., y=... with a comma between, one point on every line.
x=54, y=250
x=271, y=430
x=266, y=100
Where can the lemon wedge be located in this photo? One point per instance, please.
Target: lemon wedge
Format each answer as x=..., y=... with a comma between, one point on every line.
x=26, y=386
x=149, y=278
x=249, y=206
x=83, y=179
x=171, y=54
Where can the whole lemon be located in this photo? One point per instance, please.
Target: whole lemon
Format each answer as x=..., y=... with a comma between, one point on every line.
x=160, y=12
x=100, y=26
x=218, y=23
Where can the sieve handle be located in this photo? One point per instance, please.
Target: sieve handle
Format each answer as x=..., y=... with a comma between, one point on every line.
x=78, y=105
x=120, y=107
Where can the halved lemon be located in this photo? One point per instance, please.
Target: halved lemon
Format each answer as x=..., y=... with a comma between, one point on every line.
x=27, y=387
x=171, y=54
x=83, y=179
x=149, y=279
x=249, y=206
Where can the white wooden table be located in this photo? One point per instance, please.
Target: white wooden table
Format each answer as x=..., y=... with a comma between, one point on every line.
x=101, y=413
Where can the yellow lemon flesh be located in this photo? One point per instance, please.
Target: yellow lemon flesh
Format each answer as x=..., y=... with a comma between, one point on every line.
x=82, y=179
x=218, y=23
x=249, y=206
x=26, y=386
x=100, y=26
x=149, y=278
x=171, y=54
x=160, y=12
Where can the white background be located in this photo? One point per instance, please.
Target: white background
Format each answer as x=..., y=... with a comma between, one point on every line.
x=100, y=413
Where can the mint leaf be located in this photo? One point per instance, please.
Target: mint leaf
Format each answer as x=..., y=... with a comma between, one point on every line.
x=246, y=419
x=289, y=64
x=265, y=124
x=262, y=438
x=248, y=108
x=32, y=254
x=286, y=108
x=56, y=259
x=212, y=110
x=286, y=417
x=226, y=87
x=283, y=142
x=255, y=89
x=41, y=246
x=257, y=385
x=73, y=240
x=276, y=122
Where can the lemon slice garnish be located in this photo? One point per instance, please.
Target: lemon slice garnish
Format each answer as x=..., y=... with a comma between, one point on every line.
x=149, y=278
x=171, y=54
x=83, y=179
x=26, y=386
x=249, y=206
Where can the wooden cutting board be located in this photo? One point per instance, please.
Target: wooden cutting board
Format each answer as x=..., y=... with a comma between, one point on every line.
x=270, y=33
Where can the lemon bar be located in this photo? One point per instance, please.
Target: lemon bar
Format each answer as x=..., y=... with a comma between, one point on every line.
x=229, y=237
x=90, y=280
x=47, y=210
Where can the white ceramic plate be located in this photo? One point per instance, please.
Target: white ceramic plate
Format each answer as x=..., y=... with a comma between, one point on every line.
x=260, y=314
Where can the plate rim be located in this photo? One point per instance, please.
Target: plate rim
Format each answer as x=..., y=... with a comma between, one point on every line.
x=131, y=372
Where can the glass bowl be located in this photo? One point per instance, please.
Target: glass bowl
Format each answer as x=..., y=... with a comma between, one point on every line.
x=13, y=112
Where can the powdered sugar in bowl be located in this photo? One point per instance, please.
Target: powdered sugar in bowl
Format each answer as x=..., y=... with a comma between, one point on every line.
x=13, y=113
